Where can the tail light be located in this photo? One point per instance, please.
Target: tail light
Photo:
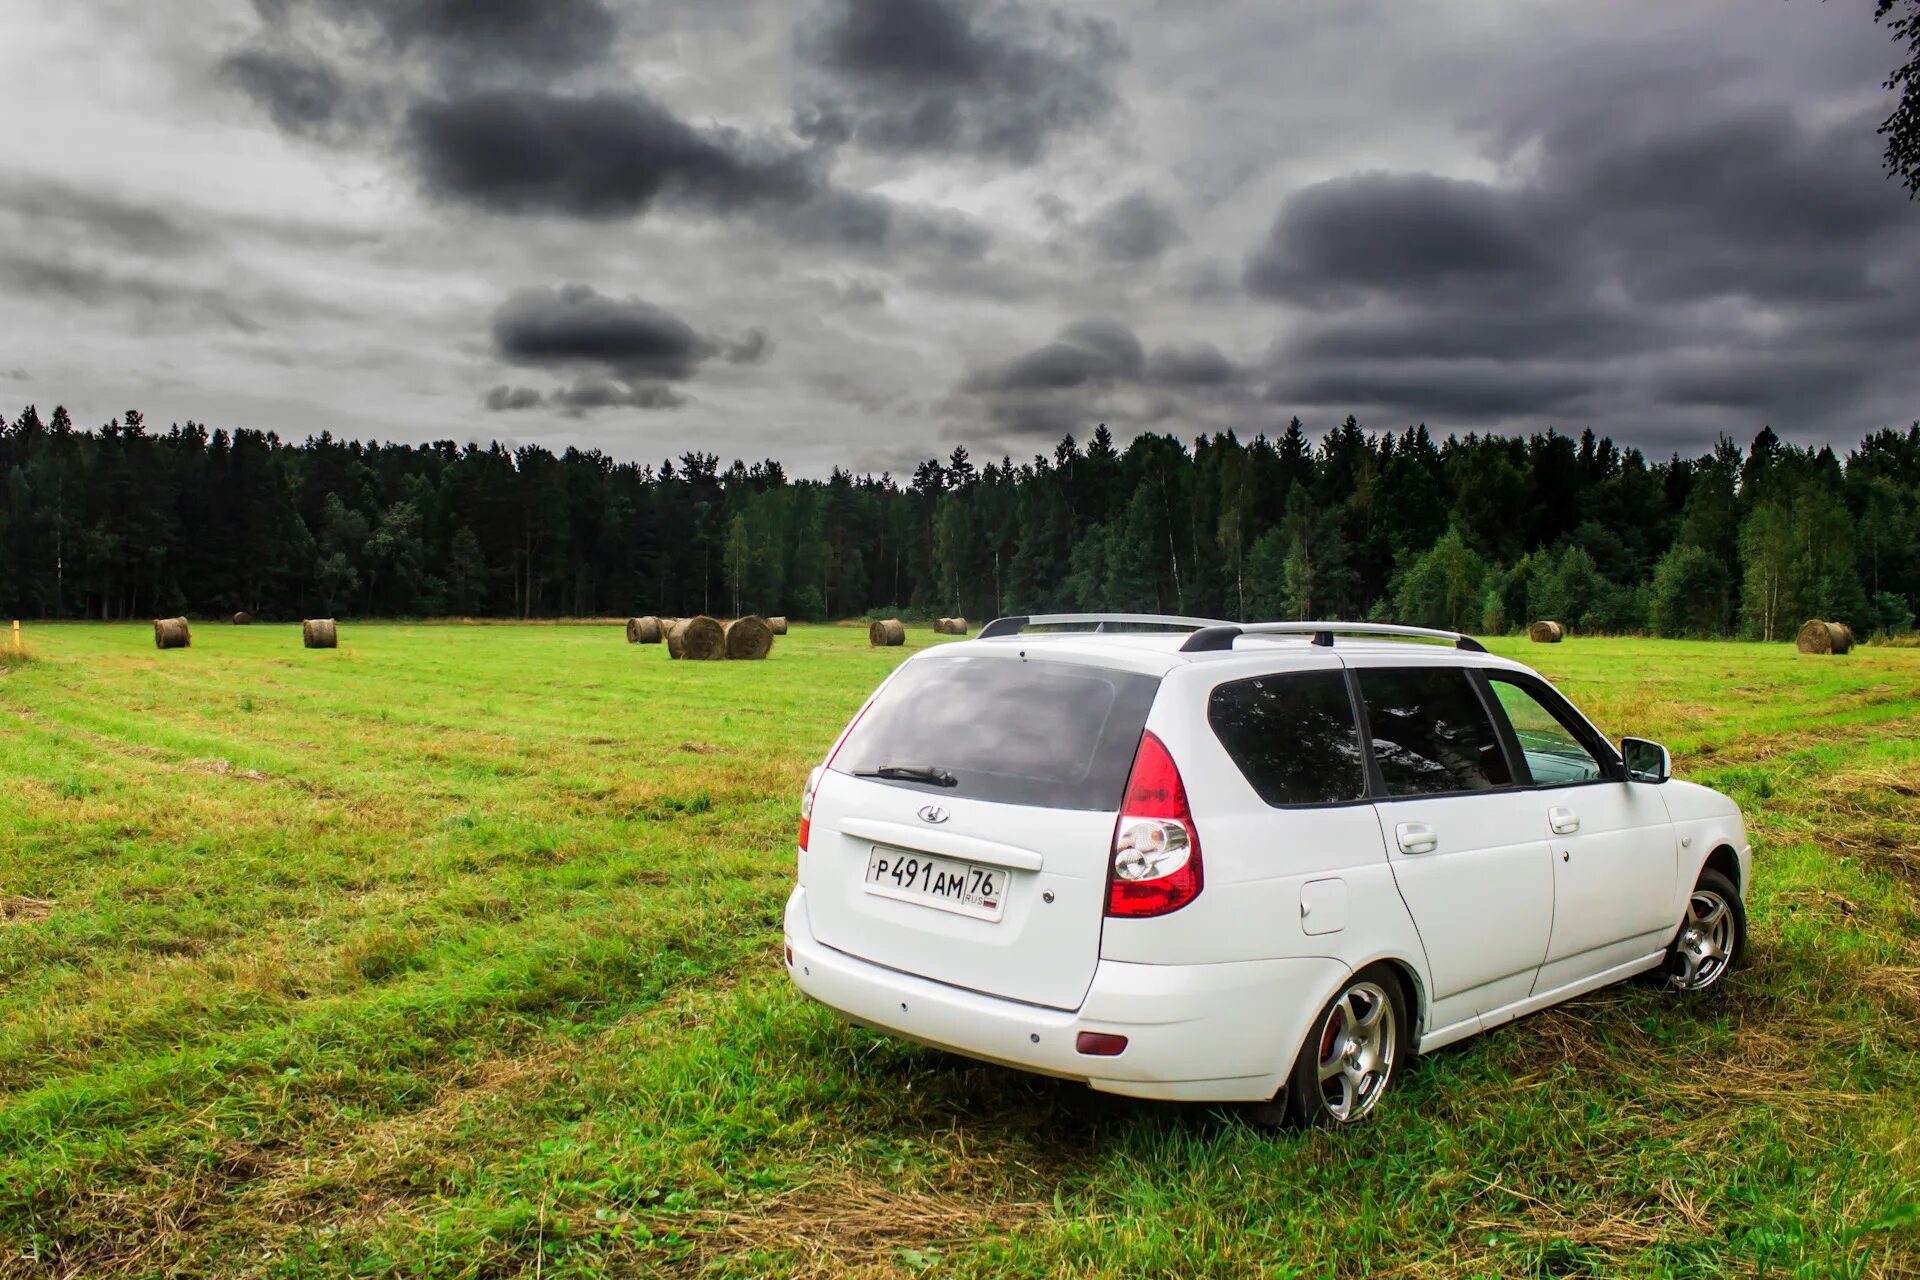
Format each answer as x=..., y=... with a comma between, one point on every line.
x=819, y=772
x=1156, y=850
x=806, y=805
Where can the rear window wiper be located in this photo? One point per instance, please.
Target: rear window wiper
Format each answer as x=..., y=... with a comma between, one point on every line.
x=910, y=773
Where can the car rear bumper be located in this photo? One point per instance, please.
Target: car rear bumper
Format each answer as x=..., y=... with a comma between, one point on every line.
x=1204, y=1032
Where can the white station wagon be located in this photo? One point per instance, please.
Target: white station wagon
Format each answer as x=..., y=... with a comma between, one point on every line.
x=1187, y=859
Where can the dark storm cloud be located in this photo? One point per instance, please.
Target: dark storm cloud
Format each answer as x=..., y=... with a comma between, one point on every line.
x=1135, y=228
x=621, y=351
x=614, y=155
x=1685, y=262
x=966, y=77
x=300, y=94
x=577, y=325
x=1400, y=233
x=603, y=155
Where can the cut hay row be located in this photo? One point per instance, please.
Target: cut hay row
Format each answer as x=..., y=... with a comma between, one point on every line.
x=1817, y=636
x=1546, y=633
x=320, y=633
x=172, y=633
x=887, y=631
x=949, y=626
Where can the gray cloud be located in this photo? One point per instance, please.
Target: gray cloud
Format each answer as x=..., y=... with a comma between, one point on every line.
x=464, y=37
x=1195, y=364
x=966, y=77
x=544, y=35
x=150, y=296
x=1639, y=216
x=1099, y=368
x=1088, y=351
x=1133, y=229
x=98, y=217
x=300, y=94
x=582, y=398
x=506, y=399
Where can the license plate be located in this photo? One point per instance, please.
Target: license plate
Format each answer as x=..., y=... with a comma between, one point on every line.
x=945, y=883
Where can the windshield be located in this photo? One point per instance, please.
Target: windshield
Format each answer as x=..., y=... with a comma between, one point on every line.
x=1008, y=730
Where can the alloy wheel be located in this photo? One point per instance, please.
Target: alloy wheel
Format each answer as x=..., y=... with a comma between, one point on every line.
x=1706, y=942
x=1357, y=1046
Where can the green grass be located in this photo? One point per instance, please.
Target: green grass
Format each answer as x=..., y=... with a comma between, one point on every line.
x=456, y=952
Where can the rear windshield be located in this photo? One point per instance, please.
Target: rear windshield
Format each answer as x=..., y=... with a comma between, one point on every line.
x=1012, y=731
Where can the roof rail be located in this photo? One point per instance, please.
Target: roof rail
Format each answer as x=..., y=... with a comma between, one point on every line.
x=1100, y=621
x=1222, y=636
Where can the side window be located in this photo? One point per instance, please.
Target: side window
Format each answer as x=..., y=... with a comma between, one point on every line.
x=1293, y=736
x=1553, y=754
x=1431, y=733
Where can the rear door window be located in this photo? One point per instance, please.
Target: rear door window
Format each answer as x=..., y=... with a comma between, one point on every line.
x=1431, y=733
x=1014, y=731
x=1293, y=736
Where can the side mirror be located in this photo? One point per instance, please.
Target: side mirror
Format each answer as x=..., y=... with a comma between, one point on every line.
x=1646, y=761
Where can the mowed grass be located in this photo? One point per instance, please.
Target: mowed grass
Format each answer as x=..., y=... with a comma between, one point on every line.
x=455, y=952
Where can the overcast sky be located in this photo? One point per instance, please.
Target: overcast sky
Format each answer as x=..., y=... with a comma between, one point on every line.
x=862, y=231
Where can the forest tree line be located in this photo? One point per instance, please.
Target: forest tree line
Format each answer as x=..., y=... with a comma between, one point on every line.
x=1477, y=533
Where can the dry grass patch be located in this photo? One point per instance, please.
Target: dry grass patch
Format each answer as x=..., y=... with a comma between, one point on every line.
x=18, y=909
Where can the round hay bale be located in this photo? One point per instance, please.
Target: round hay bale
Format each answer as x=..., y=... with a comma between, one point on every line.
x=887, y=631
x=1817, y=636
x=949, y=626
x=749, y=638
x=700, y=639
x=644, y=630
x=320, y=633
x=172, y=633
x=777, y=625
x=1546, y=633
x=243, y=619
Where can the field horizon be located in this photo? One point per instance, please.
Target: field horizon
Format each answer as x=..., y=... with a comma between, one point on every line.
x=455, y=952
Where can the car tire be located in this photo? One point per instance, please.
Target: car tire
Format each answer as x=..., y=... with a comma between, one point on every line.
x=1712, y=937
x=1353, y=1052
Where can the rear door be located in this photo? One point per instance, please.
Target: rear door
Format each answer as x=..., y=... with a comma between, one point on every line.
x=1465, y=843
x=964, y=830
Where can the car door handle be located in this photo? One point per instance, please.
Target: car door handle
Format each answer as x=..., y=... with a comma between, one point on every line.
x=1416, y=837
x=1564, y=821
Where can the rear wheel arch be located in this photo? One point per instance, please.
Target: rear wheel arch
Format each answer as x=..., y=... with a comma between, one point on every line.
x=1404, y=973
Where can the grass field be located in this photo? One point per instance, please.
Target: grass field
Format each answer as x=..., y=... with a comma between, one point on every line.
x=456, y=952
